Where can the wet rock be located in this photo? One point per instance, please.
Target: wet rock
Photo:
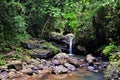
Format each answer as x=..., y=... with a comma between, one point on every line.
x=91, y=68
x=104, y=64
x=3, y=74
x=42, y=54
x=17, y=65
x=67, y=37
x=59, y=69
x=29, y=45
x=70, y=67
x=96, y=70
x=74, y=61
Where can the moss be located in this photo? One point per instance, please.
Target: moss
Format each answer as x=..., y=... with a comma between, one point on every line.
x=53, y=48
x=2, y=63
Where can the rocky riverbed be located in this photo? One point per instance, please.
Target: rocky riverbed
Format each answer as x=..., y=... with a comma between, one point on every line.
x=60, y=67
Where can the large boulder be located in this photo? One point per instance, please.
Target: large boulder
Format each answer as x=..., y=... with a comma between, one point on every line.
x=41, y=53
x=61, y=56
x=56, y=37
x=59, y=69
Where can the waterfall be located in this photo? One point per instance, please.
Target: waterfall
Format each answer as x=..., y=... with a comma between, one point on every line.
x=70, y=45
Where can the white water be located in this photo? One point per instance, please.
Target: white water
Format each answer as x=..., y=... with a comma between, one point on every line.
x=70, y=45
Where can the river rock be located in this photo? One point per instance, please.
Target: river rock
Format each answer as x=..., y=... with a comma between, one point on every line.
x=40, y=66
x=104, y=64
x=41, y=53
x=59, y=69
x=17, y=65
x=12, y=74
x=91, y=68
x=29, y=45
x=55, y=62
x=27, y=71
x=3, y=74
x=90, y=58
x=44, y=64
x=70, y=67
x=74, y=61
x=61, y=56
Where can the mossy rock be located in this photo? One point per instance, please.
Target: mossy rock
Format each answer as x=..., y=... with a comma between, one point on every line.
x=47, y=45
x=112, y=72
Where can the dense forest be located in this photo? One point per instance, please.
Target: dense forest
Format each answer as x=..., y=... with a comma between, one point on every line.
x=95, y=24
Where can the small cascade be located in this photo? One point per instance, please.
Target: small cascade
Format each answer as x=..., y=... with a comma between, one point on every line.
x=70, y=38
x=70, y=45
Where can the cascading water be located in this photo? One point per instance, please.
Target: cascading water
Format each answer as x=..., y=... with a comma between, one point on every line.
x=70, y=45
x=70, y=37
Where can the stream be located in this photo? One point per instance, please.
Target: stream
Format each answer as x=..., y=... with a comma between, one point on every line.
x=80, y=74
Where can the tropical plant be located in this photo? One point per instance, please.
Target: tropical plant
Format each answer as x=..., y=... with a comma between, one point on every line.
x=12, y=24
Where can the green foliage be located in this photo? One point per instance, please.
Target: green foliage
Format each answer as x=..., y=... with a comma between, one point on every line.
x=118, y=48
x=1, y=56
x=1, y=60
x=113, y=26
x=2, y=63
x=72, y=21
x=12, y=24
x=54, y=49
x=18, y=50
x=109, y=50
